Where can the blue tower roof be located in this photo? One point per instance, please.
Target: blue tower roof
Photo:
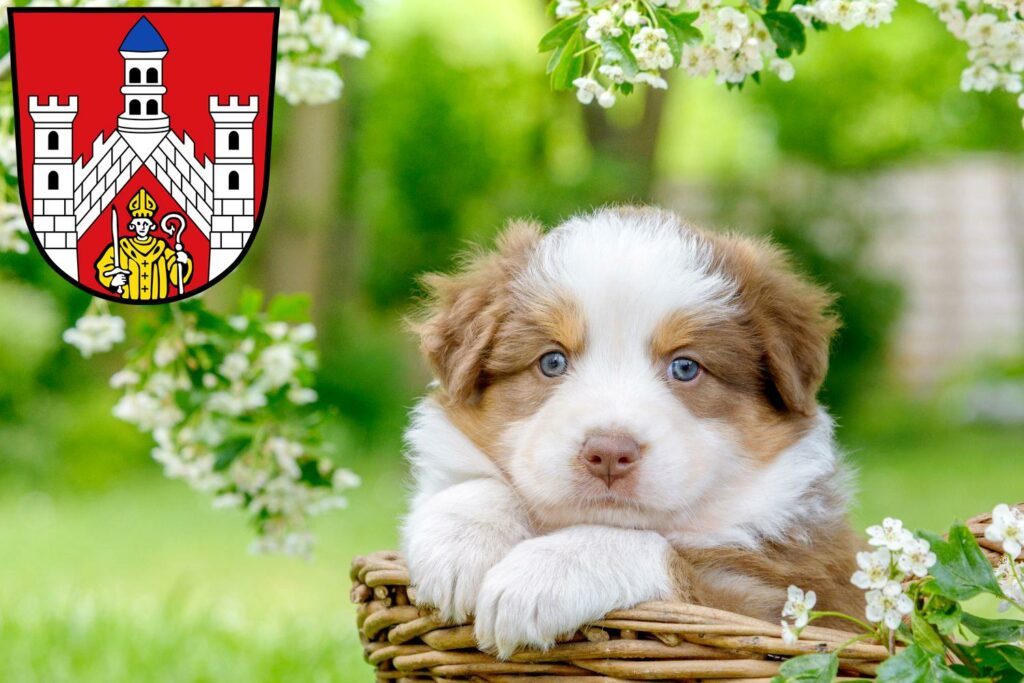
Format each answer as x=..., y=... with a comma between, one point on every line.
x=143, y=38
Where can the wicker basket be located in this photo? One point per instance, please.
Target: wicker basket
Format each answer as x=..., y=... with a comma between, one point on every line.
x=659, y=641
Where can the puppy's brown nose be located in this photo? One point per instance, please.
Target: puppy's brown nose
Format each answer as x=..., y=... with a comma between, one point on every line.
x=610, y=455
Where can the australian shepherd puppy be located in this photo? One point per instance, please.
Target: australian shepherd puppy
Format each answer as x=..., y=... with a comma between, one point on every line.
x=624, y=411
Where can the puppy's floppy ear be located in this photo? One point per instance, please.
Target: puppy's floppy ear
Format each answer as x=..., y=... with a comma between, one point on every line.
x=463, y=311
x=790, y=315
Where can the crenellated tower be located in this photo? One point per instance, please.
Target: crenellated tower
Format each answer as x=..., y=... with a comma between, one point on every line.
x=233, y=179
x=53, y=180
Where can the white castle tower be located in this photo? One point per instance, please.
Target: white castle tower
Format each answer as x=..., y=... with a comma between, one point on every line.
x=218, y=195
x=53, y=182
x=233, y=180
x=143, y=123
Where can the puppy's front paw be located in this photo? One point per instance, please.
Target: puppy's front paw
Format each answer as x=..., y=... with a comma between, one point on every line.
x=448, y=576
x=536, y=594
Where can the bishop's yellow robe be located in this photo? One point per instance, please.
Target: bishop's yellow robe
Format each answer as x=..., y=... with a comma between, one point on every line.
x=150, y=263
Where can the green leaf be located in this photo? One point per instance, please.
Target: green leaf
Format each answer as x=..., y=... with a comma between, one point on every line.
x=787, y=32
x=616, y=51
x=925, y=635
x=1001, y=662
x=915, y=665
x=945, y=619
x=291, y=308
x=961, y=570
x=680, y=30
x=774, y=5
x=1013, y=655
x=1004, y=630
x=816, y=668
x=250, y=303
x=559, y=34
x=570, y=64
x=228, y=451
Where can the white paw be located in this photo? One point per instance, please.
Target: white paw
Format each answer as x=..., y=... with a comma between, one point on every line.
x=452, y=539
x=538, y=593
x=549, y=586
x=448, y=576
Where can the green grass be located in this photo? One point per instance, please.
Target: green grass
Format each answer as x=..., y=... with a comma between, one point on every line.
x=144, y=582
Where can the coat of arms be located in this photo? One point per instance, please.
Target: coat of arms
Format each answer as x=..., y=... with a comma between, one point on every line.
x=143, y=140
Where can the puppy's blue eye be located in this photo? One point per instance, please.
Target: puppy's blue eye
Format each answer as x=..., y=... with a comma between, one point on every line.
x=553, y=363
x=684, y=369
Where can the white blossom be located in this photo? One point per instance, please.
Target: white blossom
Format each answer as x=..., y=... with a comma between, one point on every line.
x=234, y=366
x=1010, y=576
x=651, y=79
x=567, y=8
x=13, y=228
x=301, y=84
x=302, y=334
x=890, y=534
x=731, y=28
x=165, y=353
x=587, y=89
x=278, y=363
x=789, y=635
x=698, y=60
x=301, y=396
x=1007, y=527
x=602, y=24
x=95, y=333
x=798, y=605
x=888, y=605
x=633, y=18
x=874, y=569
x=916, y=558
x=651, y=49
x=345, y=479
x=613, y=72
x=124, y=378
x=287, y=454
x=782, y=68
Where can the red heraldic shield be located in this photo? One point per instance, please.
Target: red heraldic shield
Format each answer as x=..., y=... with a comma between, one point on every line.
x=143, y=142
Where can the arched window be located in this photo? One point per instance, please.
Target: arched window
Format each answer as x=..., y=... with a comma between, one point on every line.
x=134, y=75
x=152, y=76
x=233, y=180
x=53, y=181
x=53, y=140
x=152, y=109
x=134, y=108
x=232, y=139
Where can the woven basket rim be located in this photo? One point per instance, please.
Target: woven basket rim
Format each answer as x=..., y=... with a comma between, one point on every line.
x=661, y=640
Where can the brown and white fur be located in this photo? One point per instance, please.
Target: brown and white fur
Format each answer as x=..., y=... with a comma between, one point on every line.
x=729, y=487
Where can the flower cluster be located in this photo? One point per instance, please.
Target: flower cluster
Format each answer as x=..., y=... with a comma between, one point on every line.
x=917, y=592
x=899, y=556
x=605, y=47
x=96, y=333
x=1007, y=528
x=13, y=228
x=310, y=45
x=994, y=33
x=228, y=403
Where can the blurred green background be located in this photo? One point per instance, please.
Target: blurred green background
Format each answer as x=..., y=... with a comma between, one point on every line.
x=887, y=183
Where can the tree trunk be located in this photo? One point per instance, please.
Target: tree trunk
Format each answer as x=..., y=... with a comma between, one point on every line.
x=633, y=146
